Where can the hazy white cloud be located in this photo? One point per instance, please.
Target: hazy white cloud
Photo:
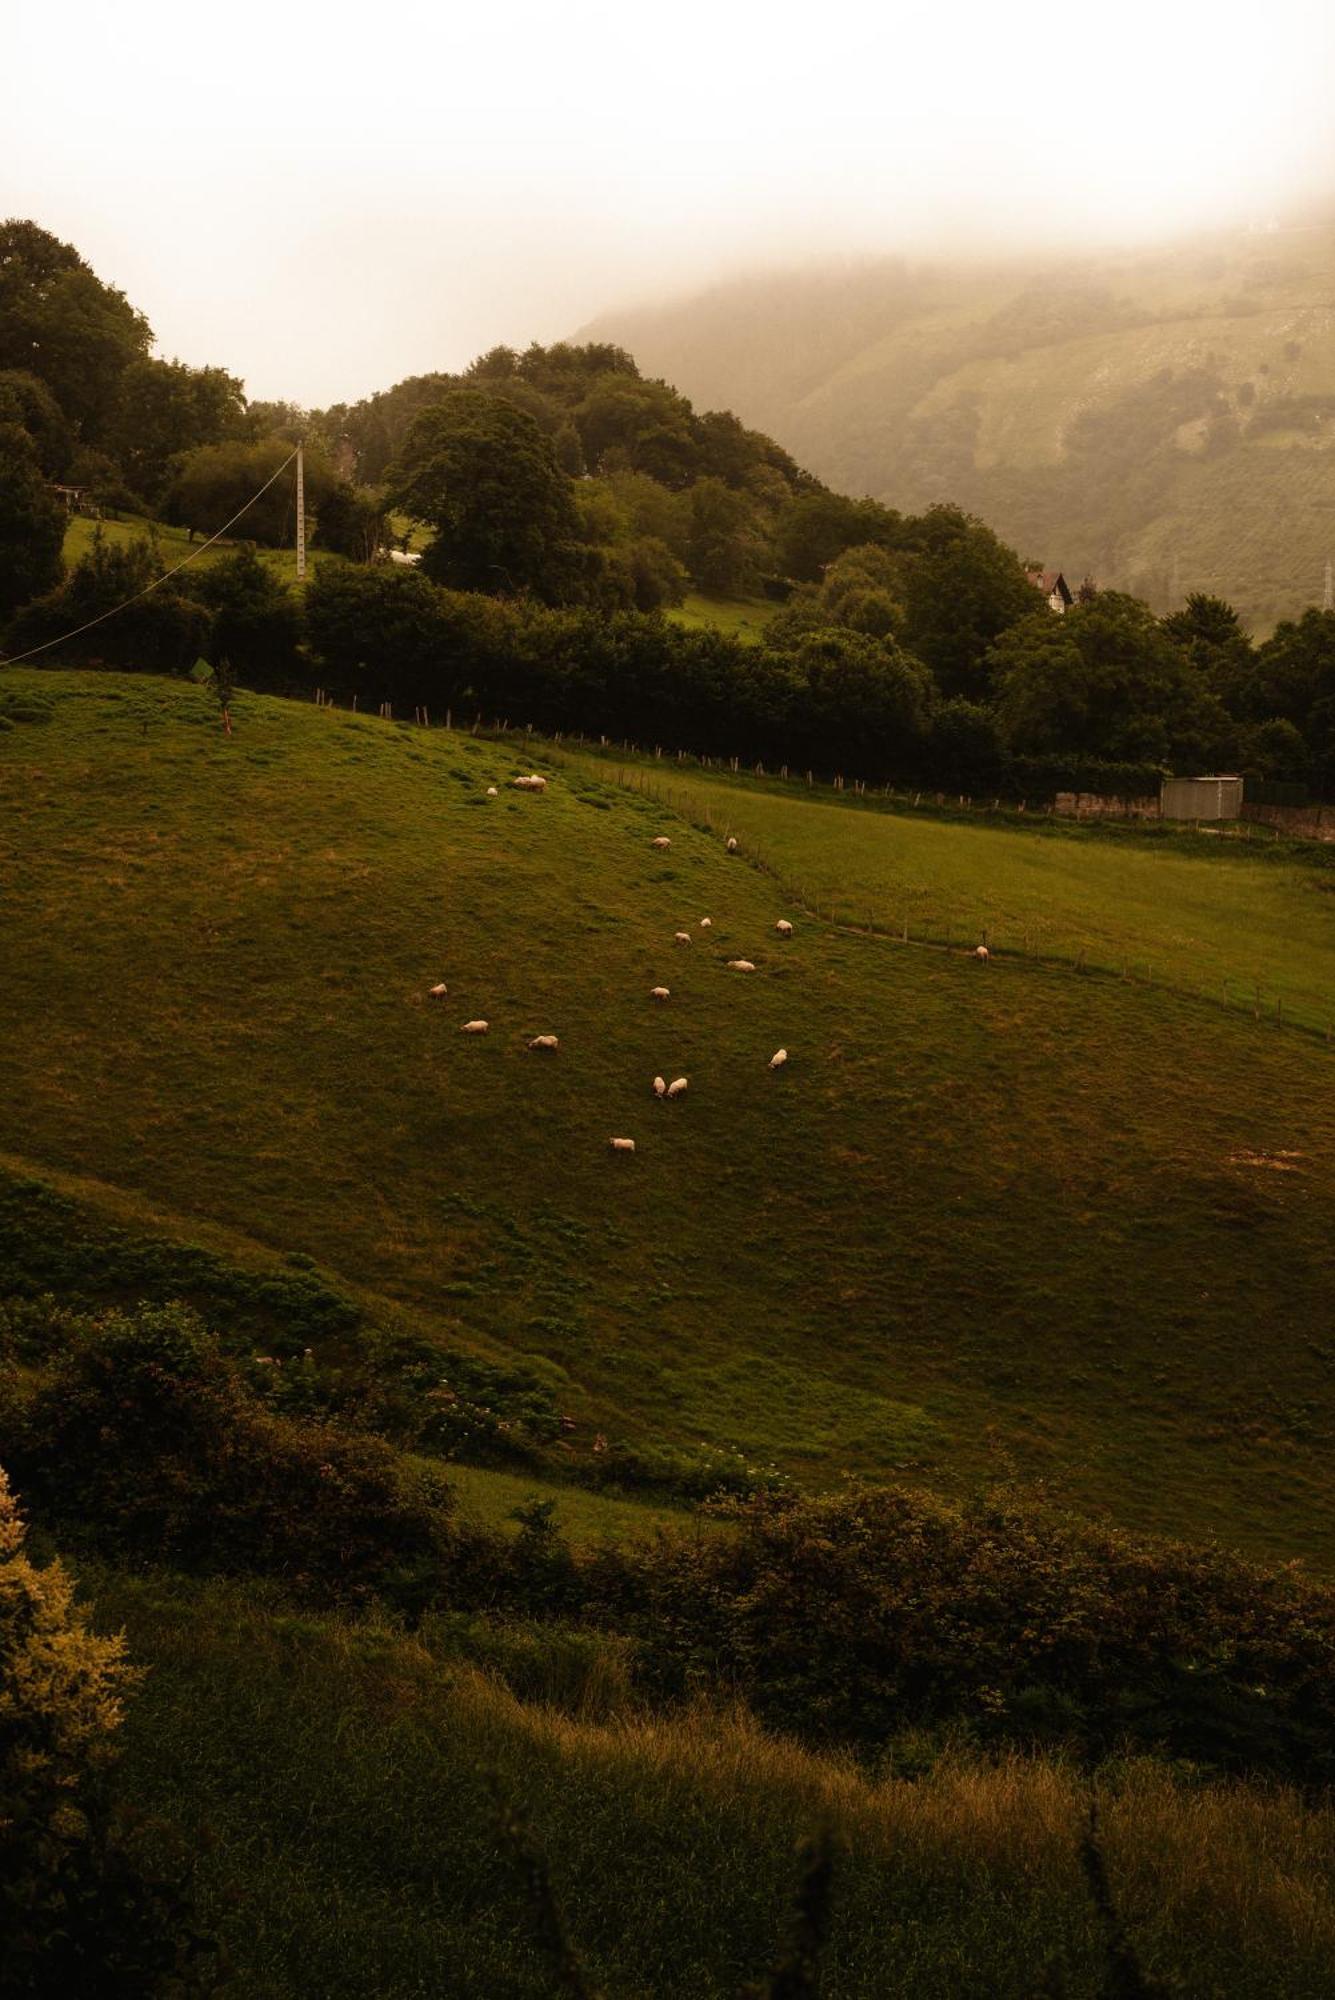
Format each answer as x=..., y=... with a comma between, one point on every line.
x=325, y=198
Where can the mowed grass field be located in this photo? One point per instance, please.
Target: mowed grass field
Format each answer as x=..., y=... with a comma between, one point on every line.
x=1212, y=915
x=987, y=1222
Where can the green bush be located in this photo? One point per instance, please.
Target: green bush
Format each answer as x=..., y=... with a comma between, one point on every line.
x=853, y=1618
x=144, y=1440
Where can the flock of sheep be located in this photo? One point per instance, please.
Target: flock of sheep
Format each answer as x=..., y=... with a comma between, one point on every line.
x=549, y=1044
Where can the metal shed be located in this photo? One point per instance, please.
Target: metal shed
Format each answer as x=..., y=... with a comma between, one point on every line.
x=1201, y=798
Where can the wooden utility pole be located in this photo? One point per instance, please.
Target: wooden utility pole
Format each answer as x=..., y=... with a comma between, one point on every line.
x=301, y=517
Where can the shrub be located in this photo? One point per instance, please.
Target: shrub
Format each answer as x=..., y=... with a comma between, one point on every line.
x=855, y=1617
x=76, y=1919
x=144, y=1440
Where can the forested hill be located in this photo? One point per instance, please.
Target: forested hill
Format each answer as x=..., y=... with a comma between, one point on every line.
x=1164, y=420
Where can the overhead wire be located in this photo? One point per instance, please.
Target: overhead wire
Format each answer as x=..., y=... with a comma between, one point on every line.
x=158, y=581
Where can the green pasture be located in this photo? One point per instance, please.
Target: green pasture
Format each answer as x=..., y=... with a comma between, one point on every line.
x=341, y=1788
x=1210, y=913
x=741, y=617
x=174, y=545
x=987, y=1222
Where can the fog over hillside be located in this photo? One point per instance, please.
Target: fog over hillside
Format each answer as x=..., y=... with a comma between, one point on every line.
x=1162, y=417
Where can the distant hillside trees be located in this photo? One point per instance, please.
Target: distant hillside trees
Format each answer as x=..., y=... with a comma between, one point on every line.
x=32, y=522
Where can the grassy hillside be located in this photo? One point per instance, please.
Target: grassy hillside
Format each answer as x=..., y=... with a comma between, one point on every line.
x=1162, y=419
x=347, y=1777
x=174, y=545
x=985, y=1220
x=1227, y=915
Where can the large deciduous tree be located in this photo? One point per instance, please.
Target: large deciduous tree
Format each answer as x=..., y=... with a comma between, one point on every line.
x=213, y=483
x=165, y=409
x=58, y=321
x=485, y=476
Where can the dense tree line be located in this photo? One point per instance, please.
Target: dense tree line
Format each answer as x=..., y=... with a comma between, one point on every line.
x=566, y=502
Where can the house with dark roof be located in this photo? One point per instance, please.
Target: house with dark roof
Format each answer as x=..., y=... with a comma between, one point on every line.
x=1053, y=586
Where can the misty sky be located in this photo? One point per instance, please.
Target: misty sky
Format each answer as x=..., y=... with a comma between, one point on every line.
x=325, y=199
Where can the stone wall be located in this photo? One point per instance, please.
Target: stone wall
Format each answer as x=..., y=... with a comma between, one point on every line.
x=1298, y=822
x=1093, y=805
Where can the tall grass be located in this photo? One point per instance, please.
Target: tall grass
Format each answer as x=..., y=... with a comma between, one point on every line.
x=345, y=1776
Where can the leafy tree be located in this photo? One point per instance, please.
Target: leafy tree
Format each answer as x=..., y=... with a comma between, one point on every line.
x=165, y=409
x=962, y=588
x=32, y=523
x=352, y=522
x=61, y=323
x=725, y=550
x=25, y=400
x=213, y=483
x=256, y=623
x=1211, y=634
x=1295, y=680
x=488, y=481
x=1104, y=681
x=816, y=528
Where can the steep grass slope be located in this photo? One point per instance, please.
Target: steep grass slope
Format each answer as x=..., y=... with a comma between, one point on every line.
x=1161, y=418
x=984, y=1220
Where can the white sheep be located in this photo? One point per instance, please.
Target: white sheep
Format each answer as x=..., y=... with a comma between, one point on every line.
x=682, y=937
x=492, y=792
x=677, y=1088
x=778, y=1059
x=622, y=1145
x=660, y=1088
x=981, y=951
x=544, y=1042
x=740, y=965
x=660, y=842
x=706, y=923
x=439, y=992
x=532, y=783
x=783, y=927
x=660, y=993
x=474, y=1027
x=730, y=844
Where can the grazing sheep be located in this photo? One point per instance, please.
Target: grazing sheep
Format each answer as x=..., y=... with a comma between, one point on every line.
x=783, y=927
x=492, y=792
x=474, y=1027
x=677, y=1088
x=660, y=993
x=544, y=1042
x=706, y=923
x=682, y=937
x=622, y=1145
x=730, y=844
x=439, y=992
x=660, y=1088
x=982, y=951
x=532, y=783
x=740, y=965
x=661, y=842
x=778, y=1059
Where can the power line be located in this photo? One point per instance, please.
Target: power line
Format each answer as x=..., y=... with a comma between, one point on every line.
x=166, y=576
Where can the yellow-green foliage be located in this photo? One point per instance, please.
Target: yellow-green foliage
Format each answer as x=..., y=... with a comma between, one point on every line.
x=62, y=1691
